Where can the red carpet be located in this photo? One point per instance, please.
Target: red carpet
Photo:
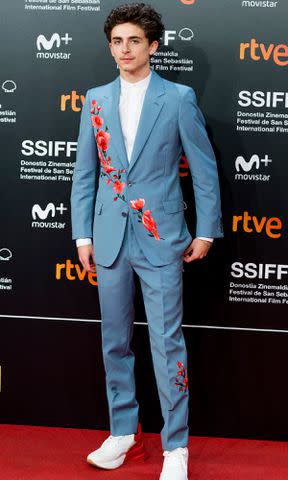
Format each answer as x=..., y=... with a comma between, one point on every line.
x=42, y=453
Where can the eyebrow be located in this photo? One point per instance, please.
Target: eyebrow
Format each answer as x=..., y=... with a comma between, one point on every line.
x=133, y=37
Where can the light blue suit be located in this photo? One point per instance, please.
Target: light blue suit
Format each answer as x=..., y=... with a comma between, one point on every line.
x=135, y=214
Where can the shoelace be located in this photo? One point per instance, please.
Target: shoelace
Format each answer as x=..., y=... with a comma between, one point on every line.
x=113, y=440
x=175, y=456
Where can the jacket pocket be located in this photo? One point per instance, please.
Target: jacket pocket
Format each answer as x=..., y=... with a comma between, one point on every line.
x=174, y=206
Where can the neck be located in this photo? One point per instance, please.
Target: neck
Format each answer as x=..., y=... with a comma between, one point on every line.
x=133, y=77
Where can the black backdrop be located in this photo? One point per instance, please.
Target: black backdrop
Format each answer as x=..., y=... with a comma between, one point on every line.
x=235, y=55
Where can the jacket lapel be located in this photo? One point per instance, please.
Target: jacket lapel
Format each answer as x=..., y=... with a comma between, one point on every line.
x=111, y=109
x=151, y=109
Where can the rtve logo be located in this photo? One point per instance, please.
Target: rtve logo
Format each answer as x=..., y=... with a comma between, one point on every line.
x=259, y=51
x=55, y=41
x=73, y=101
x=73, y=272
x=251, y=224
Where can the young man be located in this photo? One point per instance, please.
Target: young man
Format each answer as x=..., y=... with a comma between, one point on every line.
x=127, y=198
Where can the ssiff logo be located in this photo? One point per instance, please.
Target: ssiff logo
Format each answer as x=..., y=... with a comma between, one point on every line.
x=185, y=34
x=55, y=41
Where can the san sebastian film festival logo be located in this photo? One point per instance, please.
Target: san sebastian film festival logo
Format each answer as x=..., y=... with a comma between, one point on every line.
x=7, y=115
x=53, y=47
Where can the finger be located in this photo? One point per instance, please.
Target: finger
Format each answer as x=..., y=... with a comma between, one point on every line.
x=85, y=262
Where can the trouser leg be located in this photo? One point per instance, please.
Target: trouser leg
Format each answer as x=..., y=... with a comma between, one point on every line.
x=116, y=294
x=162, y=294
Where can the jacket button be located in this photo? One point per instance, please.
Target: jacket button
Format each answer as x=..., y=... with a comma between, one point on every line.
x=129, y=184
x=124, y=214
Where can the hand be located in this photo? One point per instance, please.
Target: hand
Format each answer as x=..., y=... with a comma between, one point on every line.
x=197, y=250
x=86, y=257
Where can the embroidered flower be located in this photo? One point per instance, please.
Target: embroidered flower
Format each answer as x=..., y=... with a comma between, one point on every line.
x=97, y=121
x=145, y=217
x=108, y=168
x=118, y=186
x=181, y=381
x=150, y=224
x=103, y=138
x=137, y=204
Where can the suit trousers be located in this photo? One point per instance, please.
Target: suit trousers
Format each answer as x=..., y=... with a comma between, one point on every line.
x=162, y=295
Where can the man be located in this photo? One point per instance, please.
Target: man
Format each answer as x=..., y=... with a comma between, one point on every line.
x=126, y=196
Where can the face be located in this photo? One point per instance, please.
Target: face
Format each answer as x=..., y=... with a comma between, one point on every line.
x=130, y=48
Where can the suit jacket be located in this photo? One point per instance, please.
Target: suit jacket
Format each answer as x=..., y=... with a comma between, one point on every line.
x=107, y=188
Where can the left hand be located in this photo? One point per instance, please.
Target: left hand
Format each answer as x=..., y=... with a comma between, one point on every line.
x=197, y=250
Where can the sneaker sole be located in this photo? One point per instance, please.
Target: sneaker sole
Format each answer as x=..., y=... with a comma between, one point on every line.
x=137, y=453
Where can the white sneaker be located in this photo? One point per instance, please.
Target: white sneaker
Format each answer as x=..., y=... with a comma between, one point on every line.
x=175, y=466
x=114, y=451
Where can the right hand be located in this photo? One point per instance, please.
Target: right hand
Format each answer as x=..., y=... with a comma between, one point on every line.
x=86, y=257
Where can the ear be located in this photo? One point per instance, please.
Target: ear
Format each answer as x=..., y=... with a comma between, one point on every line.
x=153, y=47
x=111, y=48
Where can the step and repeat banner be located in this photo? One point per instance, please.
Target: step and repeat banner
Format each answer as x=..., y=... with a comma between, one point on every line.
x=234, y=54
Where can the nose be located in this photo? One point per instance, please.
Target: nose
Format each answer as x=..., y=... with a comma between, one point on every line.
x=125, y=46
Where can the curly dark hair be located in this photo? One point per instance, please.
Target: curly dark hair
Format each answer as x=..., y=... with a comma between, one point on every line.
x=140, y=14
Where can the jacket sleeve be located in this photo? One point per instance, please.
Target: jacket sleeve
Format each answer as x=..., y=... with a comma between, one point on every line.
x=203, y=167
x=84, y=178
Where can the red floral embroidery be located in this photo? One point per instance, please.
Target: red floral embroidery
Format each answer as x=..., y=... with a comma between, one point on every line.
x=145, y=217
x=150, y=224
x=102, y=139
x=118, y=186
x=181, y=381
x=97, y=121
x=137, y=204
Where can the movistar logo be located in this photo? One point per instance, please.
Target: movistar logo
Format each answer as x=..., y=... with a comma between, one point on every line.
x=48, y=44
x=245, y=165
x=43, y=213
x=45, y=45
